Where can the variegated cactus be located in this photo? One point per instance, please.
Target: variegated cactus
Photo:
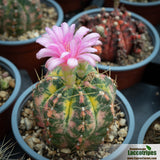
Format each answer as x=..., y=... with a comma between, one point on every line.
x=120, y=34
x=73, y=103
x=76, y=116
x=19, y=16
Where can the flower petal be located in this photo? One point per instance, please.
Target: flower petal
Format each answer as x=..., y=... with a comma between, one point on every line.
x=98, y=42
x=64, y=54
x=73, y=48
x=72, y=28
x=93, y=56
x=88, y=59
x=91, y=37
x=72, y=62
x=58, y=32
x=89, y=44
x=53, y=63
x=51, y=34
x=44, y=41
x=45, y=52
x=69, y=36
x=90, y=40
x=81, y=32
x=88, y=50
x=65, y=28
x=59, y=48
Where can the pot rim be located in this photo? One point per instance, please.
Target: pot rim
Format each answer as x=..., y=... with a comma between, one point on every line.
x=151, y=29
x=33, y=154
x=140, y=4
x=146, y=126
x=32, y=40
x=17, y=76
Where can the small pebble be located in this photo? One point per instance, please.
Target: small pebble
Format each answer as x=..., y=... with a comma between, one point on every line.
x=122, y=132
x=28, y=123
x=66, y=150
x=157, y=127
x=122, y=122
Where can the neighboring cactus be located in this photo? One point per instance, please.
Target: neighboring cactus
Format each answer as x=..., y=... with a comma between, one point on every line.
x=120, y=34
x=6, y=80
x=19, y=16
x=73, y=103
x=3, y=84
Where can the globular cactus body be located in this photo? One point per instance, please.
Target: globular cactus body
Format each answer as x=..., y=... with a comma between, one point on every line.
x=75, y=116
x=19, y=16
x=120, y=34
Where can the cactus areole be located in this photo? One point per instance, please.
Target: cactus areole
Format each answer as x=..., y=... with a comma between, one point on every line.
x=73, y=103
x=19, y=16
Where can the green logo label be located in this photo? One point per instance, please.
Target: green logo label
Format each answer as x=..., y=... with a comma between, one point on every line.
x=145, y=152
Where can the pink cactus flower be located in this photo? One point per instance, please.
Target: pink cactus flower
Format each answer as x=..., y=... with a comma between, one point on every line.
x=66, y=47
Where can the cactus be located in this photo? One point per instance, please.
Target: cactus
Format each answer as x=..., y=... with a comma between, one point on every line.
x=73, y=105
x=4, y=84
x=19, y=16
x=75, y=117
x=120, y=34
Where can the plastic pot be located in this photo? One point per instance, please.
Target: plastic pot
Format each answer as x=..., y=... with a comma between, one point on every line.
x=23, y=53
x=124, y=104
x=6, y=108
x=148, y=10
x=126, y=76
x=146, y=126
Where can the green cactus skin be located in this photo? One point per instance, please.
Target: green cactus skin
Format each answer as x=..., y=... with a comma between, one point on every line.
x=78, y=116
x=4, y=84
x=19, y=16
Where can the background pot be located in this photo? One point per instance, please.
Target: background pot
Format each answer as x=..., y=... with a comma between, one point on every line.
x=146, y=126
x=73, y=5
x=126, y=76
x=148, y=10
x=23, y=53
x=6, y=108
x=124, y=104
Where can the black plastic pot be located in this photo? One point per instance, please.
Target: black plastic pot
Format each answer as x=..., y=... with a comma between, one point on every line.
x=146, y=126
x=125, y=107
x=6, y=108
x=126, y=76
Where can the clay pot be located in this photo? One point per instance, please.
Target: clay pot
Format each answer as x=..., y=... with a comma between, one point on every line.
x=126, y=76
x=6, y=108
x=149, y=10
x=121, y=100
x=23, y=53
